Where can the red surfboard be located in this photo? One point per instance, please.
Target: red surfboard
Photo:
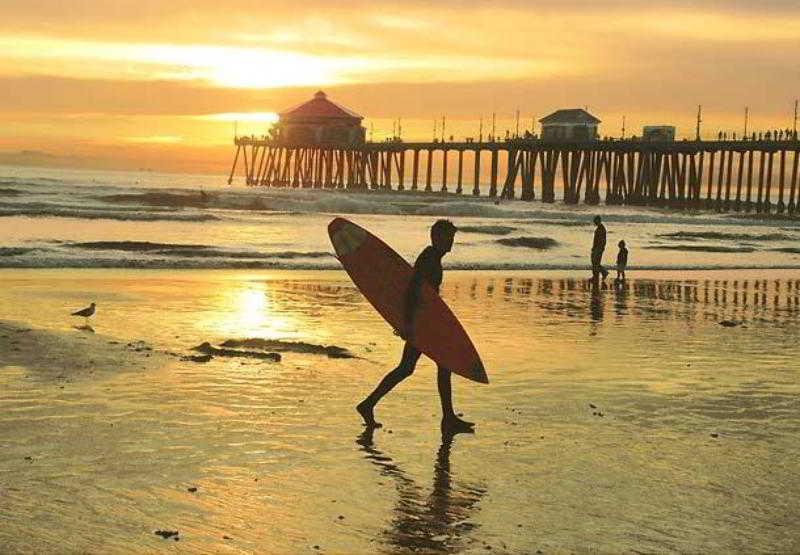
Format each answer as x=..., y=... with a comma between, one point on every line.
x=383, y=276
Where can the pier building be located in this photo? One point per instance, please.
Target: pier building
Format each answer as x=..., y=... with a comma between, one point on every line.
x=320, y=121
x=573, y=124
x=658, y=133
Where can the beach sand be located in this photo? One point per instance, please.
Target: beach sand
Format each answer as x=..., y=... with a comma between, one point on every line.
x=661, y=416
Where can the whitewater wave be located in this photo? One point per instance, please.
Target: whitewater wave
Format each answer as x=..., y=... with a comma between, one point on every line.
x=130, y=246
x=174, y=200
x=718, y=235
x=101, y=214
x=192, y=251
x=32, y=261
x=166, y=263
x=702, y=248
x=15, y=251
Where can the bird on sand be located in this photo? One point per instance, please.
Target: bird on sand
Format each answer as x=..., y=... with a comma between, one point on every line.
x=86, y=312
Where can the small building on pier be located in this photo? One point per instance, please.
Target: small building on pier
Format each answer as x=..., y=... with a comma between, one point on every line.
x=658, y=133
x=573, y=124
x=320, y=121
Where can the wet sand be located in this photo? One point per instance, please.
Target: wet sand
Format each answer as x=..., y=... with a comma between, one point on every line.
x=656, y=417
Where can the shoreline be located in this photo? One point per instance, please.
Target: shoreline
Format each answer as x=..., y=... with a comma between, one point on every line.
x=680, y=386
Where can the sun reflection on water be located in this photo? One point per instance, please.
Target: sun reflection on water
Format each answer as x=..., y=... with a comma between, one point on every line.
x=254, y=312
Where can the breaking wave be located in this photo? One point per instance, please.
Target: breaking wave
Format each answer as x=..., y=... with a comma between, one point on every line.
x=193, y=251
x=101, y=214
x=132, y=246
x=718, y=235
x=15, y=251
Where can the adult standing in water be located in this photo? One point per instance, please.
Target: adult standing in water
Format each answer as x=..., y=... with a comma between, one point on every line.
x=598, y=246
x=427, y=268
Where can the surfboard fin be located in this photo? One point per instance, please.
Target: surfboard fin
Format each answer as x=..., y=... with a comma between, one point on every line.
x=479, y=373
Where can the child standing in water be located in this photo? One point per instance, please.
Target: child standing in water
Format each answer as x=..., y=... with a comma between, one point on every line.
x=622, y=261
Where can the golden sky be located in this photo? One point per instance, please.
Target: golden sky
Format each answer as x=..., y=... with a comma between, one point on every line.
x=158, y=83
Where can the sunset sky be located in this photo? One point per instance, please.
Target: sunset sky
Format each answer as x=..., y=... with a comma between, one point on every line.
x=159, y=83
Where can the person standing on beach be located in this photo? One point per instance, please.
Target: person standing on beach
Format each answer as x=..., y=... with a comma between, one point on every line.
x=598, y=246
x=622, y=261
x=427, y=268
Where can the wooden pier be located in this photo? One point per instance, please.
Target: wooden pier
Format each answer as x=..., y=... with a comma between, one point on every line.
x=757, y=176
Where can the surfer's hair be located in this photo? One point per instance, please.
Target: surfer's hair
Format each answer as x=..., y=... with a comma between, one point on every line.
x=441, y=229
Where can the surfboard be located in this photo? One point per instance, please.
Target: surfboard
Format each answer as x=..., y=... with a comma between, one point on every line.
x=383, y=276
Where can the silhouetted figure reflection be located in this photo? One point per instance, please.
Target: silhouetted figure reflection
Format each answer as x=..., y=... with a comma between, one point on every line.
x=620, y=298
x=596, y=307
x=436, y=522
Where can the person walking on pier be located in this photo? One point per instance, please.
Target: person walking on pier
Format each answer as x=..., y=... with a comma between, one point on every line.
x=428, y=267
x=598, y=246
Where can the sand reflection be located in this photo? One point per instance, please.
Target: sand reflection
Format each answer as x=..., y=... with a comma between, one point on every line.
x=438, y=521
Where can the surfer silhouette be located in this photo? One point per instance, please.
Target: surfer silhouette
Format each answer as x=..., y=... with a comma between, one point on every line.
x=428, y=267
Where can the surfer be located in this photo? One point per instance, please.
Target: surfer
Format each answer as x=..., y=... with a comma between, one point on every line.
x=428, y=267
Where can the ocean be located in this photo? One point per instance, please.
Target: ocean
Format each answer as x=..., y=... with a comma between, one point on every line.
x=86, y=219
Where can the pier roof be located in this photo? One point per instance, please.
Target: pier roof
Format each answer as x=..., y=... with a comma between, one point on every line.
x=319, y=107
x=572, y=115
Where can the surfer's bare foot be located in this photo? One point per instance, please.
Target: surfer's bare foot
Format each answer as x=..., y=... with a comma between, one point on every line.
x=368, y=415
x=454, y=424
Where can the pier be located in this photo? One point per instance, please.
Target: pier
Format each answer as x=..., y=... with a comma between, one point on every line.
x=745, y=175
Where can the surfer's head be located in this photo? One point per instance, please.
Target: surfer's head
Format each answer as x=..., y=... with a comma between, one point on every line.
x=442, y=234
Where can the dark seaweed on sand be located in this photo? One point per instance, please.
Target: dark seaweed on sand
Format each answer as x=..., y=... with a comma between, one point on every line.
x=540, y=243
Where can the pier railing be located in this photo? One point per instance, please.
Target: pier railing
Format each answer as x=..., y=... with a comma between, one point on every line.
x=760, y=176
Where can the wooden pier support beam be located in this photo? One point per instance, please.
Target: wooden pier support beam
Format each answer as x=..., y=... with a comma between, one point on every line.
x=476, y=189
x=767, y=197
x=749, y=201
x=710, y=178
x=428, y=175
x=781, y=207
x=793, y=186
x=739, y=178
x=444, y=170
x=459, y=186
x=727, y=205
x=493, y=182
x=401, y=170
x=415, y=172
x=235, y=160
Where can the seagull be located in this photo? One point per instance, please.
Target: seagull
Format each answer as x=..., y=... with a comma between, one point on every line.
x=86, y=312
